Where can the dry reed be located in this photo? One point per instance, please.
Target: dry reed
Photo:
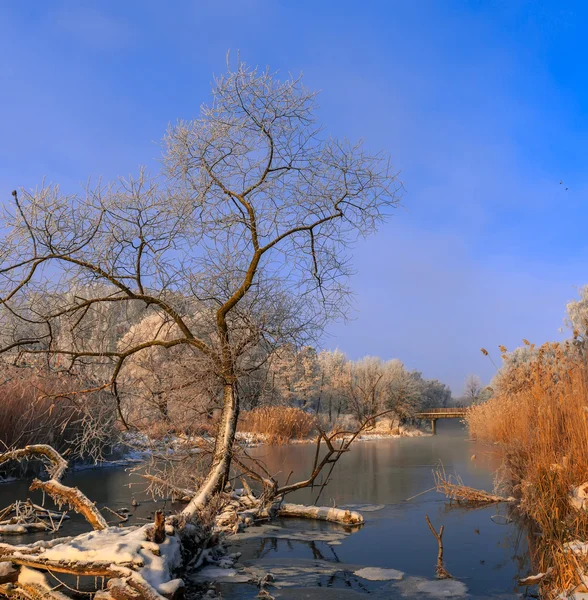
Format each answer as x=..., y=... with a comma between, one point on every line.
x=28, y=416
x=539, y=418
x=454, y=489
x=278, y=424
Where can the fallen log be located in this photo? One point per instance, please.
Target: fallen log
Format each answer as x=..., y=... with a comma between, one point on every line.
x=73, y=497
x=60, y=493
x=321, y=513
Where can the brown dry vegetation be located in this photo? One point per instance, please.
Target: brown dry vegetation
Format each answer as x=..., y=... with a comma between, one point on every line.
x=278, y=424
x=539, y=417
x=28, y=415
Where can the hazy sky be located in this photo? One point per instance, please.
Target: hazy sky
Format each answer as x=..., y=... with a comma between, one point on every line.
x=483, y=107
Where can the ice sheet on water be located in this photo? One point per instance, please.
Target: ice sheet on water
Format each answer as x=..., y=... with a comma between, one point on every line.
x=364, y=507
x=220, y=575
x=432, y=589
x=294, y=572
x=332, y=537
x=318, y=593
x=377, y=574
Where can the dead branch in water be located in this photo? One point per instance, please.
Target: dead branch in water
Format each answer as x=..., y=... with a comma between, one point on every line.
x=26, y=517
x=60, y=493
x=440, y=569
x=462, y=493
x=335, y=444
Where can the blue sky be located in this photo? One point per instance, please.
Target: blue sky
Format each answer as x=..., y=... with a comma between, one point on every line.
x=483, y=107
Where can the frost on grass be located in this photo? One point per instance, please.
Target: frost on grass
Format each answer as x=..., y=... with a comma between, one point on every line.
x=377, y=574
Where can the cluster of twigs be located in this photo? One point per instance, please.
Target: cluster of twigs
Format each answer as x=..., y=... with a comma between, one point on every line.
x=24, y=517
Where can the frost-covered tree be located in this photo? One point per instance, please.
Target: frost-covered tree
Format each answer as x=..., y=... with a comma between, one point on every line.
x=472, y=389
x=433, y=393
x=577, y=312
x=333, y=393
x=250, y=218
x=293, y=376
x=404, y=389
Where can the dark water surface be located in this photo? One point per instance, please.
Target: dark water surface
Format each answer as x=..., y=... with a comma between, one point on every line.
x=318, y=560
x=487, y=556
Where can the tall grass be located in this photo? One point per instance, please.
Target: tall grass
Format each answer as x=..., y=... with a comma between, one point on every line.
x=539, y=416
x=278, y=424
x=32, y=412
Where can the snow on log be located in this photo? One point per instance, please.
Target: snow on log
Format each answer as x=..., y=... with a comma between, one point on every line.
x=136, y=567
x=321, y=513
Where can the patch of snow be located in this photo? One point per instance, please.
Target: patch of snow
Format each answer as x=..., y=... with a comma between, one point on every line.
x=577, y=547
x=169, y=588
x=32, y=577
x=123, y=545
x=13, y=529
x=6, y=568
x=579, y=497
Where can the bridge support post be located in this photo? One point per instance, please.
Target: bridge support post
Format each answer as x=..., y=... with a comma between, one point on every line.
x=434, y=426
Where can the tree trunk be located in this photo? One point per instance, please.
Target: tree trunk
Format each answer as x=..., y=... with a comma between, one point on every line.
x=218, y=475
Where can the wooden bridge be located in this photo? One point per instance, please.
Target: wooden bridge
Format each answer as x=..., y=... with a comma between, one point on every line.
x=441, y=413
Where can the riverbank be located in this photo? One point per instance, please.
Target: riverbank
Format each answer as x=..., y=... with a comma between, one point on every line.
x=141, y=444
x=318, y=559
x=538, y=420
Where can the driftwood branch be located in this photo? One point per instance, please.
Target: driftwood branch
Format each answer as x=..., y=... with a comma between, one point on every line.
x=337, y=443
x=60, y=493
x=321, y=513
x=463, y=493
x=440, y=569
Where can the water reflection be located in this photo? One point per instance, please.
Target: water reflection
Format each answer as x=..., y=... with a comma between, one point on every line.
x=488, y=557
